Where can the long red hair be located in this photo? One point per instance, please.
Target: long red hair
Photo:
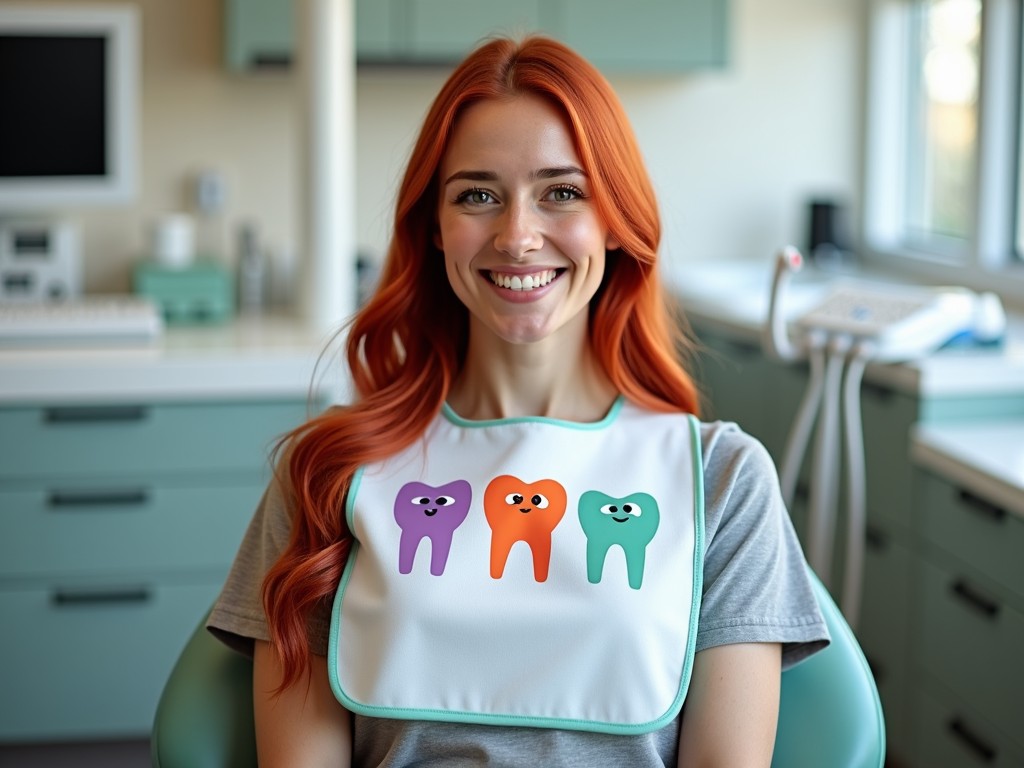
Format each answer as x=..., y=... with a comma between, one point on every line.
x=409, y=341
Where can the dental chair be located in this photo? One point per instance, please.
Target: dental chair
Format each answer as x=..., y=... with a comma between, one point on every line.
x=829, y=713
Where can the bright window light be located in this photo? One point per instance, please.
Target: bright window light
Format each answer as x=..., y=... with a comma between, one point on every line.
x=943, y=136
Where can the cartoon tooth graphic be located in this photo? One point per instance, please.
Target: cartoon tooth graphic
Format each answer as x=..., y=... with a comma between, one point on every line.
x=520, y=511
x=630, y=522
x=427, y=512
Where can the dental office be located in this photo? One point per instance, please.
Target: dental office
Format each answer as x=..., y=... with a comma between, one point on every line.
x=841, y=187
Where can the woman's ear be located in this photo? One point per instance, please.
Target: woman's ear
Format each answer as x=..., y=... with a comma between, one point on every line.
x=611, y=244
x=437, y=240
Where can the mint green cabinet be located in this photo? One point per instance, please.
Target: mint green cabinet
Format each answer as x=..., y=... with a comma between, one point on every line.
x=654, y=36
x=118, y=524
x=646, y=35
x=258, y=34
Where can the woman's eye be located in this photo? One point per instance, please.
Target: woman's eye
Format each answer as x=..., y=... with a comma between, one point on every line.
x=444, y=501
x=565, y=194
x=539, y=501
x=475, y=197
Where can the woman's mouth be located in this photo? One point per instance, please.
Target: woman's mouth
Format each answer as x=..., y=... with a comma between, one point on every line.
x=523, y=282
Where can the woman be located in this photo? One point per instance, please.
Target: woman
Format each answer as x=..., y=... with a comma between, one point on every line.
x=518, y=546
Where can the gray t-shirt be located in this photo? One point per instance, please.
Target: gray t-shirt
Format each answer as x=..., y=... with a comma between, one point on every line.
x=756, y=589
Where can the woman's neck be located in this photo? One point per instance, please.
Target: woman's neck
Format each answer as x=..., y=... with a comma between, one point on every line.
x=558, y=377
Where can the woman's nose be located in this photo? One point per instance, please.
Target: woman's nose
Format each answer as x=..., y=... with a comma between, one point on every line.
x=518, y=231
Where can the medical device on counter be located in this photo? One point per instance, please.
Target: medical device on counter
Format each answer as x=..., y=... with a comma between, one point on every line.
x=854, y=325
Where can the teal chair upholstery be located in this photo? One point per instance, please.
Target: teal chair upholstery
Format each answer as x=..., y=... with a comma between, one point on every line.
x=830, y=714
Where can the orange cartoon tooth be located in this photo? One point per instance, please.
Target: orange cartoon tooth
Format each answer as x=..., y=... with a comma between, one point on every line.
x=518, y=511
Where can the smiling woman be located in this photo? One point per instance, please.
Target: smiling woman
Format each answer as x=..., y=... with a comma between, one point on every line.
x=519, y=544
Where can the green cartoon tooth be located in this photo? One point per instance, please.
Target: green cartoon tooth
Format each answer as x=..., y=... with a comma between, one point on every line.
x=630, y=522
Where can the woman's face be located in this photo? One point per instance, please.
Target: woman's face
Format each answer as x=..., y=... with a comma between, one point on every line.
x=524, y=247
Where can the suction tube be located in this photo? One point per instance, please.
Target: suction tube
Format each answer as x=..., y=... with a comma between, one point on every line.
x=803, y=425
x=824, y=485
x=775, y=338
x=856, y=513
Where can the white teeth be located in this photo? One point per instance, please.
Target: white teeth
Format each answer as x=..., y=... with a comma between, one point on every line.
x=523, y=282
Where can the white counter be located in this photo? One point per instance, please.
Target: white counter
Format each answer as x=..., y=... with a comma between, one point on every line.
x=251, y=358
x=987, y=458
x=733, y=299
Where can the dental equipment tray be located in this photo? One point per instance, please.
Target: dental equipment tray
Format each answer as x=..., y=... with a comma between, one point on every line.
x=902, y=323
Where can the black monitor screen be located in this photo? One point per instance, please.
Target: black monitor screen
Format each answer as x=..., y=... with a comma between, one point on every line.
x=53, y=106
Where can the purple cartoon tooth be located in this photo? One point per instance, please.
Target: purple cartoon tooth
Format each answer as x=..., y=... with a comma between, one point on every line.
x=427, y=512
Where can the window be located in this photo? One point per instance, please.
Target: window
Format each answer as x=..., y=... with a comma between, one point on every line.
x=944, y=185
x=943, y=121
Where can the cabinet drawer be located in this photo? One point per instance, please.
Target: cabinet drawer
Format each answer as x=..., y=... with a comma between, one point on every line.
x=973, y=530
x=972, y=641
x=92, y=669
x=166, y=438
x=110, y=530
x=950, y=736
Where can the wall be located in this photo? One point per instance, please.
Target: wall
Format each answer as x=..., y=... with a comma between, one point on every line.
x=734, y=154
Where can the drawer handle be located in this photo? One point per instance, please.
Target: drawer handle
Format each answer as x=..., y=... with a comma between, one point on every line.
x=128, y=497
x=967, y=593
x=982, y=506
x=875, y=539
x=68, y=598
x=94, y=413
x=974, y=742
x=64, y=598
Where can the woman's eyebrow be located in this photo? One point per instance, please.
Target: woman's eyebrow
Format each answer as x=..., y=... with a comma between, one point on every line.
x=471, y=176
x=554, y=173
x=542, y=173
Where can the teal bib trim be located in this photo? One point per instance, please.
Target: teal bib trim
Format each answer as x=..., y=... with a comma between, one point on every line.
x=607, y=421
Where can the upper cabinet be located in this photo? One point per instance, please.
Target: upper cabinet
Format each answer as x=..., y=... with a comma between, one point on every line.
x=648, y=36
x=258, y=34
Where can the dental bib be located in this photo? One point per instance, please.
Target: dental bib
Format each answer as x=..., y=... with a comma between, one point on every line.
x=528, y=572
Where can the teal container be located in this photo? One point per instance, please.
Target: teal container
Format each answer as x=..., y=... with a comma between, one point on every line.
x=198, y=294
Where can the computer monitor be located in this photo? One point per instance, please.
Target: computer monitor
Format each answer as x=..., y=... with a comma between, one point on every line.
x=68, y=107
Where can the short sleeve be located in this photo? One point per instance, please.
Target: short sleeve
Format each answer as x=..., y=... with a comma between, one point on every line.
x=757, y=585
x=238, y=618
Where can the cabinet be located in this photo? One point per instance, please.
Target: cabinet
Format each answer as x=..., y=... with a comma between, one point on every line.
x=117, y=527
x=258, y=34
x=971, y=587
x=647, y=36
x=914, y=555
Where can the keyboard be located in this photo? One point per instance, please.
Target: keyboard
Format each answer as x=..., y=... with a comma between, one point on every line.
x=86, y=320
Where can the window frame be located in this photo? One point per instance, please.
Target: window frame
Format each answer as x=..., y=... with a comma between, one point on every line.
x=992, y=259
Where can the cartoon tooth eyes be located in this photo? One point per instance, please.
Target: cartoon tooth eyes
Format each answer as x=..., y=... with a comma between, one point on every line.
x=630, y=522
x=630, y=510
x=537, y=501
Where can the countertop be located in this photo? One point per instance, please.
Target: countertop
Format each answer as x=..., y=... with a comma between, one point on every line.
x=248, y=358
x=732, y=299
x=986, y=458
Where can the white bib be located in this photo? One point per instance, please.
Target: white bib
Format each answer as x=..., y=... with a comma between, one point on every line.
x=525, y=572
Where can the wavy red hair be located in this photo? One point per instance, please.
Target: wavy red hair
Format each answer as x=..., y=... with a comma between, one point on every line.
x=407, y=344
